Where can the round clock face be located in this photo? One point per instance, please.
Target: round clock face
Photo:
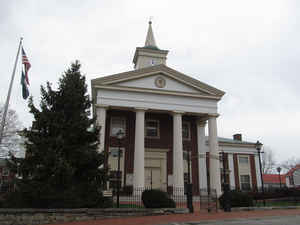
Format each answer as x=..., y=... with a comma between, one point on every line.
x=160, y=82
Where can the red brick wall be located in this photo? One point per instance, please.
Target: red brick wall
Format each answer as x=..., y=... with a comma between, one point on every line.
x=236, y=172
x=164, y=142
x=253, y=172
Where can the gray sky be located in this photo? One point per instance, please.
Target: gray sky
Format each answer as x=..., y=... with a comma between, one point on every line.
x=249, y=49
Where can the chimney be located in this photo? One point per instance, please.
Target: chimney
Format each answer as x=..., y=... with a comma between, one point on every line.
x=237, y=137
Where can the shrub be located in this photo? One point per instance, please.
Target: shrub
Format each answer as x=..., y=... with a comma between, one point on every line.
x=157, y=199
x=237, y=199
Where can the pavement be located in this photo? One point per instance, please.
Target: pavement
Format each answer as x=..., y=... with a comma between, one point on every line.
x=266, y=217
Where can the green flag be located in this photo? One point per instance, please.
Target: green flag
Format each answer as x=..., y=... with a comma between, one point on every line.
x=25, y=92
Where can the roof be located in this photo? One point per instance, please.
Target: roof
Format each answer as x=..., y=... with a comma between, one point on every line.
x=150, y=40
x=273, y=178
x=291, y=171
x=161, y=68
x=228, y=140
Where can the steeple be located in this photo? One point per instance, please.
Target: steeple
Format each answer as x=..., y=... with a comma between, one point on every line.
x=150, y=54
x=150, y=40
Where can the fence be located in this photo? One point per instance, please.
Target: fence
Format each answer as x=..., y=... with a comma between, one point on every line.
x=132, y=198
x=276, y=197
x=208, y=200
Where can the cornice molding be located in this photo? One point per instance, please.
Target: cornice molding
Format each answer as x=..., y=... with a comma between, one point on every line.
x=160, y=92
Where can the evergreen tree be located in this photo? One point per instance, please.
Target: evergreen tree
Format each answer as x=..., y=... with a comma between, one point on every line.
x=62, y=167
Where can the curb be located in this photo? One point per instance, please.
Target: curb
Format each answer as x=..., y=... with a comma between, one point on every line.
x=238, y=209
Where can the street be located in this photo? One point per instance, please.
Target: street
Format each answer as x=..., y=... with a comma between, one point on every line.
x=274, y=220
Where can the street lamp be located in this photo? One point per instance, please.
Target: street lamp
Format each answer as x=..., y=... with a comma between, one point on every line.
x=279, y=170
x=189, y=184
x=120, y=135
x=258, y=146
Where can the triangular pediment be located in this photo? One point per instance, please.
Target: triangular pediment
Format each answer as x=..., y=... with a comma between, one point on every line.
x=158, y=78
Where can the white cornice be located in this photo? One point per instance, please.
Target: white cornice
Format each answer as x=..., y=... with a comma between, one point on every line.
x=153, y=91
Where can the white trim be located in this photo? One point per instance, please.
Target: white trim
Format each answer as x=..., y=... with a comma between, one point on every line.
x=158, y=102
x=249, y=170
x=153, y=91
x=189, y=130
x=124, y=129
x=158, y=129
x=134, y=77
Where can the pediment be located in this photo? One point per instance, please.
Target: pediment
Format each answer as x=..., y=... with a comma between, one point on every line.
x=158, y=78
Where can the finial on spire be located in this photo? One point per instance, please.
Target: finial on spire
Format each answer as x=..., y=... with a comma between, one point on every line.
x=150, y=19
x=150, y=41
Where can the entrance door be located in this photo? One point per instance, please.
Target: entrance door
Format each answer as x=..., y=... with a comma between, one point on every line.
x=153, y=178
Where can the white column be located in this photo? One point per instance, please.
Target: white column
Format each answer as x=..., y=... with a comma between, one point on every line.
x=178, y=180
x=257, y=170
x=139, y=150
x=231, y=170
x=101, y=118
x=214, y=162
x=202, y=169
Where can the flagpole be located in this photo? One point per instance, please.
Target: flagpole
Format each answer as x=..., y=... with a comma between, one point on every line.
x=9, y=93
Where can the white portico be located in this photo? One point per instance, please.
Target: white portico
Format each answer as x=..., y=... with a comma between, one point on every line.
x=151, y=91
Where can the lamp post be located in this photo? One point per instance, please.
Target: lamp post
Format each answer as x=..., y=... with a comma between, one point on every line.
x=227, y=204
x=279, y=170
x=189, y=185
x=258, y=146
x=120, y=135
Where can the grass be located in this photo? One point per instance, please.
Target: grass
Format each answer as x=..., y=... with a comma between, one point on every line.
x=277, y=203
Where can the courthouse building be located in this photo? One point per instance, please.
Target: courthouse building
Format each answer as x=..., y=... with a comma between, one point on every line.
x=163, y=114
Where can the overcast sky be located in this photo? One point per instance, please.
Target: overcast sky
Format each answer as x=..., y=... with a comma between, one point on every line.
x=249, y=49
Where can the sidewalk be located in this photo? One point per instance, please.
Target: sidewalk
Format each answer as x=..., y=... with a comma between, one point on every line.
x=197, y=216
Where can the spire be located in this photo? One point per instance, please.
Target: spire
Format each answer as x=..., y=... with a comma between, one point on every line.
x=150, y=41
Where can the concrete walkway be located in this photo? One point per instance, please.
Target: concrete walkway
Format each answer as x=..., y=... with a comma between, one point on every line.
x=195, y=217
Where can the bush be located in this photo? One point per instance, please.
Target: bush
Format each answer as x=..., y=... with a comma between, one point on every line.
x=237, y=199
x=157, y=199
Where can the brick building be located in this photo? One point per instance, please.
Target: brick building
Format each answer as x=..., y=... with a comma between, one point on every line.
x=164, y=114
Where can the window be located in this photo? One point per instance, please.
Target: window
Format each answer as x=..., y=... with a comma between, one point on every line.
x=245, y=182
x=114, y=178
x=243, y=160
x=117, y=123
x=114, y=152
x=152, y=128
x=186, y=130
x=5, y=172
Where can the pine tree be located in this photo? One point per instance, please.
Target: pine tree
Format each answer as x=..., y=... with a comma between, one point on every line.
x=62, y=167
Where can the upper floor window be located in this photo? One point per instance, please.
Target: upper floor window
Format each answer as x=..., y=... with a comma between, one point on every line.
x=117, y=123
x=186, y=134
x=5, y=172
x=243, y=160
x=152, y=128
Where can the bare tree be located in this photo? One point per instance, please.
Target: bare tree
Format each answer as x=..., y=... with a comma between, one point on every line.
x=268, y=161
x=11, y=141
x=290, y=163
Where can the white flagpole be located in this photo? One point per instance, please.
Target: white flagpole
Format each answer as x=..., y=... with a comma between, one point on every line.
x=9, y=93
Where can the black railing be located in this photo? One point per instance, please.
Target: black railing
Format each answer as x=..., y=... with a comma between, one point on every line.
x=208, y=200
x=132, y=197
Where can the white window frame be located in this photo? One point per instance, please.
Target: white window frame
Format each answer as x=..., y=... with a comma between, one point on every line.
x=244, y=156
x=248, y=169
x=158, y=128
x=250, y=183
x=189, y=130
x=5, y=172
x=122, y=126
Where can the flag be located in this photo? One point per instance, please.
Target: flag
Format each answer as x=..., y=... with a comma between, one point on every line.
x=27, y=65
x=25, y=91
